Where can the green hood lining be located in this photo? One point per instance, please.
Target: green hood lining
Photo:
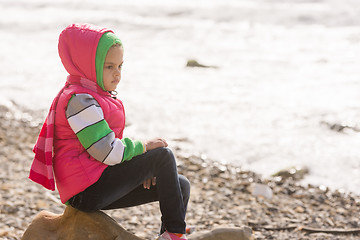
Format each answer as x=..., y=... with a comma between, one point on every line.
x=107, y=40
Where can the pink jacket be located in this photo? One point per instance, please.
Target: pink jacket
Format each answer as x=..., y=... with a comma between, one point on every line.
x=74, y=168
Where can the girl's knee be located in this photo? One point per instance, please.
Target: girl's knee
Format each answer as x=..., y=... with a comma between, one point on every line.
x=166, y=151
x=167, y=155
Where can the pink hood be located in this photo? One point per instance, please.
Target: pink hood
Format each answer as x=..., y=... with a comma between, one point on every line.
x=78, y=50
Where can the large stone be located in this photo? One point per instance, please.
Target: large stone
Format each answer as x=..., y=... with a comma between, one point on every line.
x=74, y=224
x=77, y=225
x=243, y=233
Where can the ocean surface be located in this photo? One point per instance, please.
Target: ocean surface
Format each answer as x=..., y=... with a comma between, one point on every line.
x=286, y=71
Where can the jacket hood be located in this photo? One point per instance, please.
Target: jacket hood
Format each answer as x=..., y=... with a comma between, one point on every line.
x=77, y=49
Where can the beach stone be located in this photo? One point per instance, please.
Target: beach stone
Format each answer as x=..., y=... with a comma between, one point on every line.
x=295, y=172
x=74, y=224
x=194, y=63
x=243, y=233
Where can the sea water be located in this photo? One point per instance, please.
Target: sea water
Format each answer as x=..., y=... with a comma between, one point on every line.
x=285, y=72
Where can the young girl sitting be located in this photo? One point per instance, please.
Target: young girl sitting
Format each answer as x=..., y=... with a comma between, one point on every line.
x=81, y=143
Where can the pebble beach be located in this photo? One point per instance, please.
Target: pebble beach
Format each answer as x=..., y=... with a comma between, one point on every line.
x=222, y=195
x=249, y=94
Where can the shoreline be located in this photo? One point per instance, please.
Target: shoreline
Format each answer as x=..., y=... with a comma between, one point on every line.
x=221, y=195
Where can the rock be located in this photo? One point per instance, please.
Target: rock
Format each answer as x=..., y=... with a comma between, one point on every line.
x=296, y=173
x=243, y=233
x=74, y=224
x=262, y=190
x=299, y=209
x=194, y=63
x=340, y=127
x=77, y=225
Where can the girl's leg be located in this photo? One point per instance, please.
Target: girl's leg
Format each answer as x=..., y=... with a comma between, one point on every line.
x=141, y=196
x=185, y=190
x=124, y=179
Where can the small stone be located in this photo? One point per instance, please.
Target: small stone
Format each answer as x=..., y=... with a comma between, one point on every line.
x=299, y=209
x=41, y=204
x=262, y=190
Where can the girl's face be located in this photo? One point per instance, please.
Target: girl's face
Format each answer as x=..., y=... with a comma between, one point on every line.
x=112, y=67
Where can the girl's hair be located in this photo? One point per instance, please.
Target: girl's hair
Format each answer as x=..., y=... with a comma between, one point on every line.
x=117, y=45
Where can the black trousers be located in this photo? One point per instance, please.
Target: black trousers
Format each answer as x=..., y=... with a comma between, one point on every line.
x=121, y=186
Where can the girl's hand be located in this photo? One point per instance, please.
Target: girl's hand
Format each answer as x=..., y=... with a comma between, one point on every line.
x=151, y=181
x=155, y=143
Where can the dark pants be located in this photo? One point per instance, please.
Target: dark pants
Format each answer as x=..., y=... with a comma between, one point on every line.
x=121, y=186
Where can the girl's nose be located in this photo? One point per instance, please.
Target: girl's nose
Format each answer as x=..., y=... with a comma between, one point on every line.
x=117, y=72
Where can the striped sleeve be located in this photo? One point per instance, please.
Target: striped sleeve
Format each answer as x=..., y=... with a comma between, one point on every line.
x=86, y=119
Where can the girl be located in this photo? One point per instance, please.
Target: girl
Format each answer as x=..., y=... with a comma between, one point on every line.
x=81, y=144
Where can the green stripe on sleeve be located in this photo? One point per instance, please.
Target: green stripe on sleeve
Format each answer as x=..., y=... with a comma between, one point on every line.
x=93, y=133
x=132, y=148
